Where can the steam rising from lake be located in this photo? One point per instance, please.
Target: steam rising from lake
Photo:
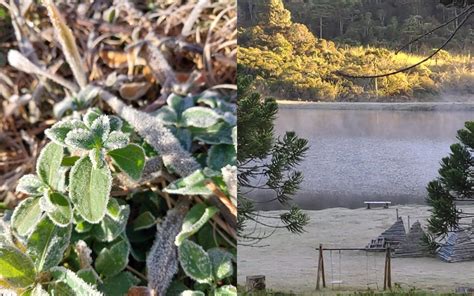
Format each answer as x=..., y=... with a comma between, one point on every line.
x=370, y=151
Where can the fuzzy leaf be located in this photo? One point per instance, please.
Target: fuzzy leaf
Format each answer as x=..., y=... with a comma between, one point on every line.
x=26, y=215
x=31, y=185
x=69, y=284
x=179, y=104
x=130, y=159
x=167, y=115
x=193, y=184
x=115, y=123
x=119, y=284
x=80, y=139
x=113, y=209
x=113, y=260
x=91, y=115
x=200, y=117
x=221, y=262
x=100, y=128
x=58, y=132
x=16, y=268
x=97, y=157
x=195, y=261
x=48, y=164
x=35, y=291
x=162, y=261
x=227, y=290
x=109, y=228
x=89, y=189
x=88, y=275
x=143, y=221
x=221, y=155
x=194, y=220
x=116, y=140
x=47, y=243
x=57, y=207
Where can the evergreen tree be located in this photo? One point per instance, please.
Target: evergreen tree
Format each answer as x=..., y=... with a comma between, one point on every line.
x=265, y=163
x=455, y=182
x=274, y=14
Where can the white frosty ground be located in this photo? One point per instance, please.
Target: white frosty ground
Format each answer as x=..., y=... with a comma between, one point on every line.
x=289, y=261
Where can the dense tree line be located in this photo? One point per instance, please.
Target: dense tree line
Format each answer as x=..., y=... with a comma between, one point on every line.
x=387, y=23
x=291, y=62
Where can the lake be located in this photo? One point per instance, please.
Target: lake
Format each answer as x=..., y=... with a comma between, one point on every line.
x=369, y=151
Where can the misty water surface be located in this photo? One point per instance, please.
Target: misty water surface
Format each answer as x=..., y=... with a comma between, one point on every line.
x=358, y=155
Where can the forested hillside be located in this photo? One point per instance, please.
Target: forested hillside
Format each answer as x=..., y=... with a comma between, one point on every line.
x=280, y=42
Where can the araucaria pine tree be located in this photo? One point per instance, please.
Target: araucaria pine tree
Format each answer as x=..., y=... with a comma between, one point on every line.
x=265, y=163
x=455, y=182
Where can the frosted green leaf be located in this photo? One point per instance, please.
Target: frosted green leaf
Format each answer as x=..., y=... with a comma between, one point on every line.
x=100, y=128
x=69, y=284
x=91, y=115
x=112, y=260
x=88, y=275
x=31, y=185
x=113, y=209
x=193, y=184
x=179, y=104
x=221, y=155
x=47, y=243
x=58, y=132
x=97, y=157
x=6, y=237
x=80, y=139
x=195, y=261
x=116, y=140
x=227, y=290
x=89, y=189
x=26, y=215
x=220, y=133
x=115, y=123
x=194, y=220
x=16, y=268
x=49, y=163
x=192, y=293
x=221, y=262
x=119, y=284
x=109, y=229
x=167, y=115
x=200, y=117
x=130, y=159
x=57, y=207
x=143, y=221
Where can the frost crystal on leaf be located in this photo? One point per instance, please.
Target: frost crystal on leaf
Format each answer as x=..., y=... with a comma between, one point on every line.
x=116, y=140
x=80, y=139
x=162, y=261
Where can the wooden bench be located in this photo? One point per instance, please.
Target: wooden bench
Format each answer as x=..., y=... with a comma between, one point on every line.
x=384, y=203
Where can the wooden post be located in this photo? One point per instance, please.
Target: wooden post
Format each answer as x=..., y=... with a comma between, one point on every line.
x=387, y=279
x=320, y=270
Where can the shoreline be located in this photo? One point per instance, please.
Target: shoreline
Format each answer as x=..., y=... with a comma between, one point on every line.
x=409, y=106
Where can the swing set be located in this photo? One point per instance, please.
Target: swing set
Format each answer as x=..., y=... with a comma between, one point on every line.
x=321, y=275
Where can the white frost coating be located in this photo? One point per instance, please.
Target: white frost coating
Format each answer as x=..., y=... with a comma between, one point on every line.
x=72, y=280
x=195, y=261
x=101, y=127
x=162, y=262
x=80, y=139
x=58, y=132
x=84, y=254
x=229, y=174
x=30, y=184
x=156, y=134
x=116, y=140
